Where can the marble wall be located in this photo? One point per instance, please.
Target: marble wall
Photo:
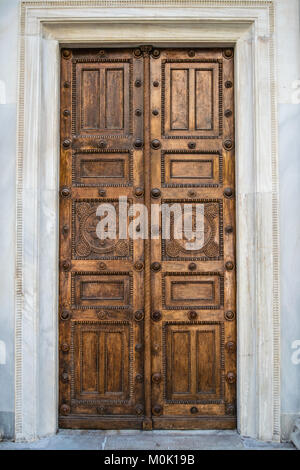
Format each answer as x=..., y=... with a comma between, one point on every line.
x=288, y=84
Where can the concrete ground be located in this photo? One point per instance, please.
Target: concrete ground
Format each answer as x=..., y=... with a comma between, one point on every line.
x=146, y=440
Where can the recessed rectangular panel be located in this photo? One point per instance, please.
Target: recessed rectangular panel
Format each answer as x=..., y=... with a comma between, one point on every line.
x=102, y=98
x=89, y=360
x=106, y=290
x=102, y=168
x=179, y=111
x=193, y=358
x=92, y=290
x=185, y=169
x=206, y=361
x=194, y=290
x=204, y=102
x=192, y=99
x=90, y=99
x=114, y=356
x=101, y=362
x=180, y=366
x=114, y=83
x=197, y=290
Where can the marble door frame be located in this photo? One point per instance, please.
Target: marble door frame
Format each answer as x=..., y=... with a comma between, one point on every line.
x=249, y=26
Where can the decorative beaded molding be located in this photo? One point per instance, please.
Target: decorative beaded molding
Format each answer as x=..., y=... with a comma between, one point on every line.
x=26, y=425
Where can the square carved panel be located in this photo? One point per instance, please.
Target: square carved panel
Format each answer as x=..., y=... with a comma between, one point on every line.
x=184, y=291
x=211, y=241
x=193, y=362
x=191, y=98
x=85, y=242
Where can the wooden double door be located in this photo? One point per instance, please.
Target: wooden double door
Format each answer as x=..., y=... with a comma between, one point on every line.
x=147, y=326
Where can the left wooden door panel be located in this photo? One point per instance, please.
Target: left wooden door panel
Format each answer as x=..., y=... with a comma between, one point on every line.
x=101, y=370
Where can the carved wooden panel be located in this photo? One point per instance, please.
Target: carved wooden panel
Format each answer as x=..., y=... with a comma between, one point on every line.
x=86, y=243
x=210, y=243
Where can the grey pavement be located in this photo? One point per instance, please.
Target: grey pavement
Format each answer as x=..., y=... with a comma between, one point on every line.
x=145, y=440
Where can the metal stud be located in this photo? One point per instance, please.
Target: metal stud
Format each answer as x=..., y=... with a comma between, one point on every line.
x=229, y=229
x=102, y=266
x=65, y=315
x=102, y=144
x=66, y=143
x=139, y=378
x=102, y=192
x=155, y=83
x=228, y=84
x=67, y=112
x=230, y=346
x=156, y=266
x=229, y=315
x=138, y=83
x=65, y=377
x=155, y=193
x=66, y=265
x=192, y=145
x=155, y=112
x=155, y=144
x=192, y=193
x=191, y=53
x=138, y=347
x=231, y=377
x=65, y=192
x=65, y=347
x=157, y=409
x=192, y=266
x=229, y=265
x=228, y=113
x=138, y=266
x=194, y=410
x=139, y=315
x=192, y=315
x=228, y=192
x=138, y=143
x=228, y=144
x=138, y=112
x=67, y=84
x=156, y=378
x=138, y=192
x=156, y=315
x=65, y=409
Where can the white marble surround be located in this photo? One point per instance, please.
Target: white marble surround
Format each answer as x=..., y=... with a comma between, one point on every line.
x=250, y=27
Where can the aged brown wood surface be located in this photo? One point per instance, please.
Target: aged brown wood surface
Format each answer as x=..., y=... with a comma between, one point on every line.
x=147, y=327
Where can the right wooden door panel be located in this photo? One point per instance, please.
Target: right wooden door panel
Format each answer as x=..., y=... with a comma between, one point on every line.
x=193, y=291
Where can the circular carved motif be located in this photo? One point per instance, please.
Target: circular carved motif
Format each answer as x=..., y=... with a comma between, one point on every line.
x=66, y=53
x=172, y=249
x=155, y=53
x=137, y=52
x=102, y=314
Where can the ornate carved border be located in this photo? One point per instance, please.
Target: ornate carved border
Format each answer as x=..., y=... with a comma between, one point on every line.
x=255, y=18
